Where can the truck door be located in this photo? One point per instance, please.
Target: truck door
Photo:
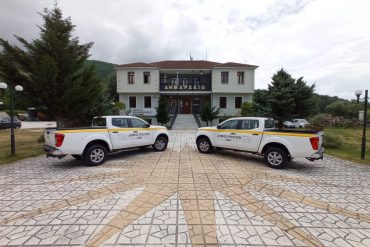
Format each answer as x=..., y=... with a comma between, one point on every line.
x=225, y=135
x=249, y=136
x=141, y=135
x=120, y=133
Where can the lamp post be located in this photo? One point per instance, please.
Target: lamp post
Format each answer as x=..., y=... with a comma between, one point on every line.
x=18, y=88
x=363, y=144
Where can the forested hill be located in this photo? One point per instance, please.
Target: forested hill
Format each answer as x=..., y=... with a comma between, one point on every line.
x=103, y=69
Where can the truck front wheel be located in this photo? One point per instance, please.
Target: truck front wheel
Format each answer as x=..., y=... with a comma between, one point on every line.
x=95, y=155
x=204, y=146
x=160, y=144
x=276, y=157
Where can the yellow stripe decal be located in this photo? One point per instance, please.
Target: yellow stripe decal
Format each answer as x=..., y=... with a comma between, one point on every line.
x=105, y=130
x=260, y=132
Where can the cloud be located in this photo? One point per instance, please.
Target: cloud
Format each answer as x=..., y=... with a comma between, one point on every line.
x=327, y=42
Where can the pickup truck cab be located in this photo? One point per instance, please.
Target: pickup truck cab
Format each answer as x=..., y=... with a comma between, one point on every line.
x=107, y=134
x=258, y=136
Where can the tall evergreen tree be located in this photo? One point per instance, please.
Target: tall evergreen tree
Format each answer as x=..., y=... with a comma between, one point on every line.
x=261, y=107
x=162, y=111
x=289, y=98
x=51, y=70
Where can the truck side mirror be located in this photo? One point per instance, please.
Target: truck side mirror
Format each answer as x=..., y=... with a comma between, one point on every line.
x=219, y=126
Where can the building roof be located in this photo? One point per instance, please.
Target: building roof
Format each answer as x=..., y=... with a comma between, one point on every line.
x=235, y=65
x=135, y=65
x=186, y=64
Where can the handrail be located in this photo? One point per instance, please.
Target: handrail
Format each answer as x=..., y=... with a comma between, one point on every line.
x=197, y=120
x=173, y=119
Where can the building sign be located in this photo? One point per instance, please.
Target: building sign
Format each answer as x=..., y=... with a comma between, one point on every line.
x=141, y=112
x=185, y=83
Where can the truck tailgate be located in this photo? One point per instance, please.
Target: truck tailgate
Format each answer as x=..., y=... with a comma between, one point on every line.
x=49, y=135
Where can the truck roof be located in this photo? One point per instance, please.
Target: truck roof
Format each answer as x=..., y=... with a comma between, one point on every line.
x=255, y=118
x=121, y=116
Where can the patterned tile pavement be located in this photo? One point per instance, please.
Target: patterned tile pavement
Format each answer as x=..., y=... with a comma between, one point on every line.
x=183, y=198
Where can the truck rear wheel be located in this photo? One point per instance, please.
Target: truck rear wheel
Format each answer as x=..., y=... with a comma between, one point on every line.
x=276, y=157
x=95, y=155
x=204, y=146
x=160, y=144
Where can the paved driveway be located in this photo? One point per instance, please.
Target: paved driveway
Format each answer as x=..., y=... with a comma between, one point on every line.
x=183, y=198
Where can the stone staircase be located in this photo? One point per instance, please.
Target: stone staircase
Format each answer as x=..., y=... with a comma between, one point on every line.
x=185, y=122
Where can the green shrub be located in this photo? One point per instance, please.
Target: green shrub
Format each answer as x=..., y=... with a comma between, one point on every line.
x=320, y=121
x=331, y=141
x=246, y=109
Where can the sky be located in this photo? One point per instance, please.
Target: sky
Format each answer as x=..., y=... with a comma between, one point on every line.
x=325, y=41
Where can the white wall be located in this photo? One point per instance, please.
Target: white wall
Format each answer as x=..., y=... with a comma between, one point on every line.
x=123, y=97
x=233, y=86
x=230, y=103
x=138, y=86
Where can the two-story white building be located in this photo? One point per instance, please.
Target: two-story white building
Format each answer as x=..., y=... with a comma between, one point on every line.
x=187, y=86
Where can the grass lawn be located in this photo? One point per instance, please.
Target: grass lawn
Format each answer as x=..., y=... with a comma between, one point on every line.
x=351, y=144
x=25, y=143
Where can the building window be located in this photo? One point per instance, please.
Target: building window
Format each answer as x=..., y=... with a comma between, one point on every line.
x=131, y=77
x=146, y=77
x=223, y=102
x=132, y=101
x=147, y=101
x=224, y=77
x=240, y=77
x=238, y=102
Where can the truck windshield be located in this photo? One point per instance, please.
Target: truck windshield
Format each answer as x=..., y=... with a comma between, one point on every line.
x=99, y=122
x=269, y=124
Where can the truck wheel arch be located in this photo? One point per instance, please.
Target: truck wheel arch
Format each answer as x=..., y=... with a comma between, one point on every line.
x=162, y=135
x=94, y=142
x=201, y=137
x=275, y=144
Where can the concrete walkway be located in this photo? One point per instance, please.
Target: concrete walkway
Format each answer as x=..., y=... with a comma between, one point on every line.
x=185, y=122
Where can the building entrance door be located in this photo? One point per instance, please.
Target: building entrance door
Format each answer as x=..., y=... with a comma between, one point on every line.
x=186, y=107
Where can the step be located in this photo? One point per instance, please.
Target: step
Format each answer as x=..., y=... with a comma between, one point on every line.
x=185, y=122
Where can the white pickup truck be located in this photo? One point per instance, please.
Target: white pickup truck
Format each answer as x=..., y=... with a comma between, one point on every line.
x=258, y=136
x=107, y=134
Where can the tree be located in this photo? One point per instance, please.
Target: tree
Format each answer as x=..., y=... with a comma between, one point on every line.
x=162, y=111
x=289, y=98
x=118, y=107
x=51, y=70
x=261, y=107
x=246, y=109
x=209, y=113
x=343, y=109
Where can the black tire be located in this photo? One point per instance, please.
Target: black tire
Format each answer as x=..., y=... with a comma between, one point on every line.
x=95, y=155
x=204, y=146
x=77, y=157
x=160, y=144
x=276, y=157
